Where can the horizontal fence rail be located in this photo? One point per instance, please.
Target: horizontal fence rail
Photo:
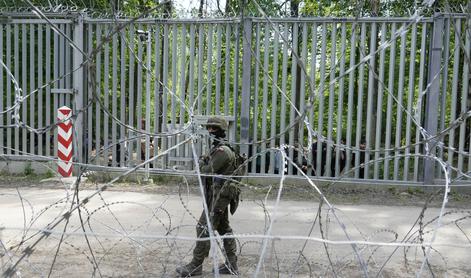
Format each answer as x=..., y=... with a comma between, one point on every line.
x=353, y=98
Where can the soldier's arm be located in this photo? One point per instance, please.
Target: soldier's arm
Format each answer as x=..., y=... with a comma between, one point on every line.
x=217, y=163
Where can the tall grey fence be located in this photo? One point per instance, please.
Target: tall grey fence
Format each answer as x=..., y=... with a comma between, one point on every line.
x=385, y=99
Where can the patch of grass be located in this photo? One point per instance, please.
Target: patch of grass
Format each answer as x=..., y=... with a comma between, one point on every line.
x=415, y=190
x=392, y=190
x=49, y=174
x=28, y=171
x=134, y=178
x=98, y=177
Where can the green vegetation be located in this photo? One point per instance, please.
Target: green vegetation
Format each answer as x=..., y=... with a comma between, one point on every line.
x=28, y=171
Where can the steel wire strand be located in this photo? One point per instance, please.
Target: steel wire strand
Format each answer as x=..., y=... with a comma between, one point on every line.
x=66, y=217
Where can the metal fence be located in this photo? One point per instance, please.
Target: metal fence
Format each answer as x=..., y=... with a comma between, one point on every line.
x=351, y=97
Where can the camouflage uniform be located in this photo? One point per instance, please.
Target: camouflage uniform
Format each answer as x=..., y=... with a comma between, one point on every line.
x=219, y=194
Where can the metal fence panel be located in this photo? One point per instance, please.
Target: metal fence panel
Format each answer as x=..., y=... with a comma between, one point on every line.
x=359, y=84
x=31, y=68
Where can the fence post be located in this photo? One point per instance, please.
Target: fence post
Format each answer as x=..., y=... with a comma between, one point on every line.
x=433, y=94
x=78, y=78
x=246, y=84
x=64, y=141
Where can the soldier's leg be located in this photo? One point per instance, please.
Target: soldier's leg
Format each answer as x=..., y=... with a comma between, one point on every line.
x=230, y=245
x=201, y=250
x=195, y=267
x=222, y=223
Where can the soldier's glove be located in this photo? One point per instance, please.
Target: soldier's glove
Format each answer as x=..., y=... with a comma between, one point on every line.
x=204, y=159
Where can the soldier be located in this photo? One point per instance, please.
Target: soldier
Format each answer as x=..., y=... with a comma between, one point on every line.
x=220, y=194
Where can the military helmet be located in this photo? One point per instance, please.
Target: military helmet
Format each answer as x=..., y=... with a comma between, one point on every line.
x=218, y=122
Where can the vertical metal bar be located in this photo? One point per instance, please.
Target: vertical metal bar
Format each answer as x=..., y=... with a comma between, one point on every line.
x=56, y=84
x=148, y=94
x=17, y=77
x=302, y=94
x=410, y=100
x=218, y=71
x=158, y=89
x=371, y=92
x=98, y=108
x=32, y=86
x=320, y=120
x=312, y=88
x=284, y=73
x=418, y=114
x=379, y=105
x=227, y=69
x=454, y=89
x=293, y=108
x=202, y=144
x=131, y=104
x=61, y=65
x=351, y=84
x=173, y=89
x=209, y=83
x=235, y=111
x=191, y=68
x=24, y=81
x=400, y=107
x=139, y=97
x=77, y=83
x=466, y=86
x=444, y=95
x=2, y=96
x=340, y=101
x=182, y=75
x=274, y=99
x=182, y=87
x=91, y=92
x=8, y=88
x=199, y=92
x=391, y=80
x=433, y=93
x=255, y=104
x=122, y=131
x=266, y=72
x=48, y=90
x=165, y=90
x=68, y=67
x=114, y=102
x=359, y=118
x=174, y=76
x=330, y=115
x=200, y=68
x=246, y=80
x=106, y=95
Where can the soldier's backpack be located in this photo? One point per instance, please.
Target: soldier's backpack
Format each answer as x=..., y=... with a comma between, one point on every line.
x=240, y=170
x=240, y=165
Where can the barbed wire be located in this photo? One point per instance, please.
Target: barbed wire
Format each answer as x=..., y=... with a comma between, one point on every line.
x=29, y=244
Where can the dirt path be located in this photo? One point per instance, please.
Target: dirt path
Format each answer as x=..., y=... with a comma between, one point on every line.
x=148, y=233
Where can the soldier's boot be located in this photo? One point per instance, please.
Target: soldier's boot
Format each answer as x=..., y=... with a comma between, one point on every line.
x=190, y=270
x=229, y=267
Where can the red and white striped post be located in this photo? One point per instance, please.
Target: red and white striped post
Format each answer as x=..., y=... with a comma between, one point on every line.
x=64, y=142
